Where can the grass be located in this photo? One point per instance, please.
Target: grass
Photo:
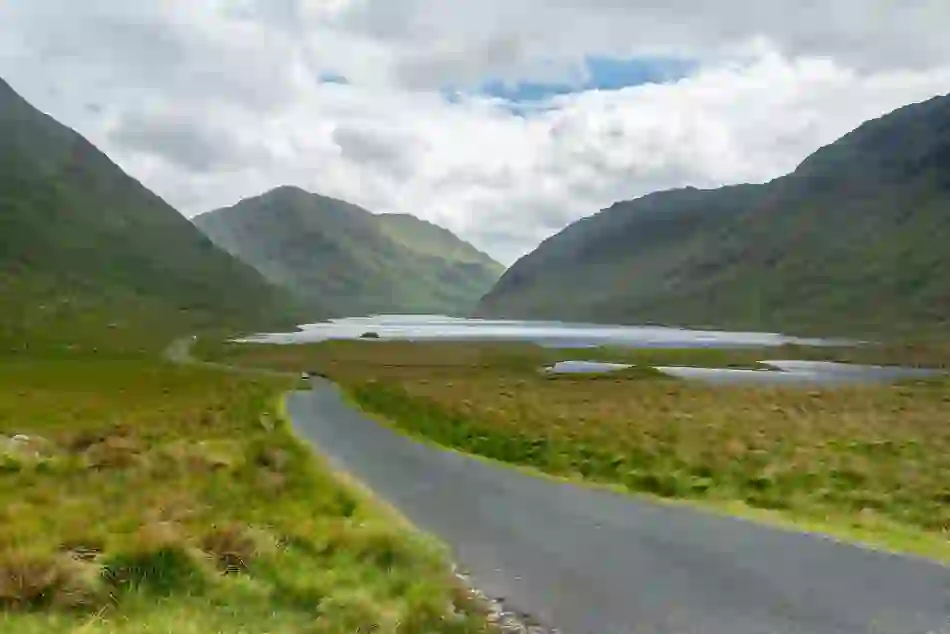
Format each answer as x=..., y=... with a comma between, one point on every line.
x=870, y=462
x=356, y=357
x=155, y=498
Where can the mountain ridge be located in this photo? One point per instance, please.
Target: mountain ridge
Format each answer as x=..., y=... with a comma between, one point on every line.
x=851, y=239
x=83, y=242
x=350, y=260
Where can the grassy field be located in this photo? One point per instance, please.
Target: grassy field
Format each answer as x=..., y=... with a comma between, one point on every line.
x=872, y=462
x=156, y=498
x=358, y=357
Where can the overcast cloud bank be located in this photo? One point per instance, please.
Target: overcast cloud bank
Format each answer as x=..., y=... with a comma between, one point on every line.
x=210, y=102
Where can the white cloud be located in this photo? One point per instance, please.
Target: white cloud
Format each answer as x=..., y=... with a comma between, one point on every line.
x=210, y=102
x=451, y=37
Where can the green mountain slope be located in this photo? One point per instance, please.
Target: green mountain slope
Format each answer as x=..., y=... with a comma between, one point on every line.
x=87, y=254
x=857, y=239
x=350, y=260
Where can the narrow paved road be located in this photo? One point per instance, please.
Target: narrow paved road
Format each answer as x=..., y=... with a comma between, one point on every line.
x=593, y=562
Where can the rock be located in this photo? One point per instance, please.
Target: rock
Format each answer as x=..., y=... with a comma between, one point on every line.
x=22, y=451
x=23, y=445
x=499, y=614
x=115, y=452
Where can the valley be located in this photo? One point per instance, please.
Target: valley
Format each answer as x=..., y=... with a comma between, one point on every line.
x=137, y=494
x=439, y=447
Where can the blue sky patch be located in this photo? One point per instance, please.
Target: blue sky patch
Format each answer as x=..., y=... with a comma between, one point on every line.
x=333, y=78
x=604, y=73
x=611, y=74
x=520, y=108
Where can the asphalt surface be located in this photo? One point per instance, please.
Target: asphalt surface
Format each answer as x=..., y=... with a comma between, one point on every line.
x=588, y=561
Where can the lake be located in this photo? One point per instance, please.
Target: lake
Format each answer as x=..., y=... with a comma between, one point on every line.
x=803, y=373
x=791, y=373
x=553, y=334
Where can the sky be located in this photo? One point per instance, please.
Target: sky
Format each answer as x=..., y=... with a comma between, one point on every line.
x=502, y=120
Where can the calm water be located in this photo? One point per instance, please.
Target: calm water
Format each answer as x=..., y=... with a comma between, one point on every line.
x=586, y=367
x=566, y=335
x=545, y=333
x=802, y=373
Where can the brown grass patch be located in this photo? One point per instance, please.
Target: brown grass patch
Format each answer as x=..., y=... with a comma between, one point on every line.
x=32, y=581
x=114, y=452
x=235, y=547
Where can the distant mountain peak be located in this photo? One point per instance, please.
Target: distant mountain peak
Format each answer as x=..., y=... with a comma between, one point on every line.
x=354, y=261
x=854, y=240
x=895, y=141
x=290, y=189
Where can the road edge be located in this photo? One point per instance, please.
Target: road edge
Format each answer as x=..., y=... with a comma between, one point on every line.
x=499, y=615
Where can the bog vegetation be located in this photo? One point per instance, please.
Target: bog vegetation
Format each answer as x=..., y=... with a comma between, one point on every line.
x=137, y=497
x=871, y=460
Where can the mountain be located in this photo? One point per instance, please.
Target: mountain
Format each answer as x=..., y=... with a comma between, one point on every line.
x=87, y=254
x=855, y=240
x=350, y=260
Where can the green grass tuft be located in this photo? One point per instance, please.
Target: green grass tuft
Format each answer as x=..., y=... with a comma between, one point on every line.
x=152, y=498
